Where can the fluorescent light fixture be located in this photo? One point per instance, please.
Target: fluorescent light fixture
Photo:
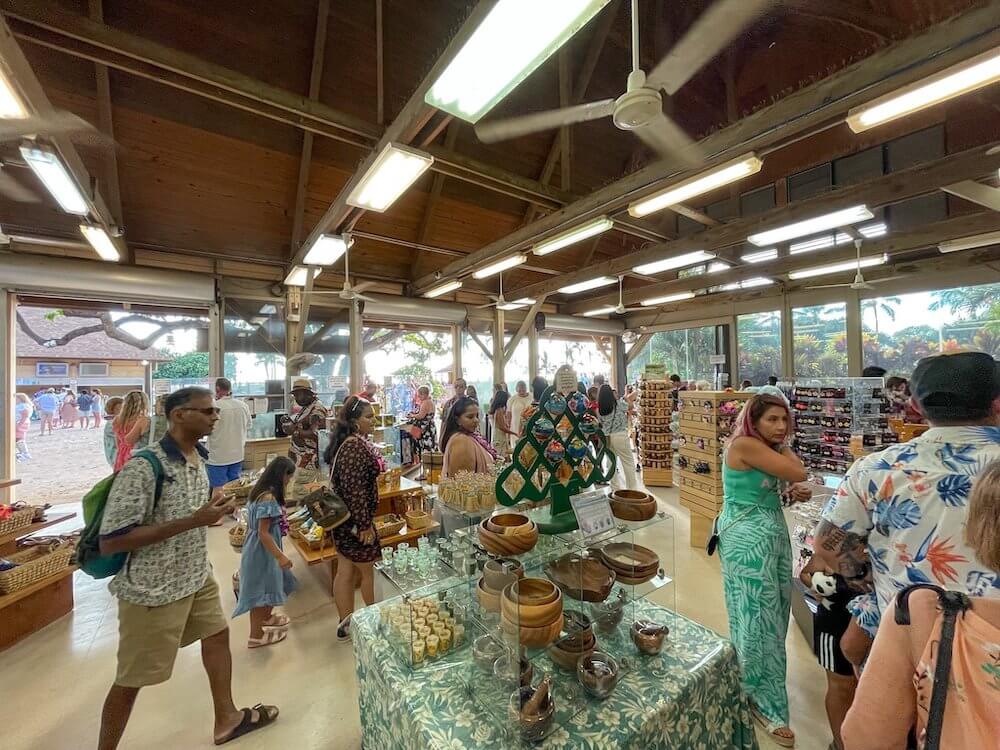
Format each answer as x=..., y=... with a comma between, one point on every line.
x=668, y=298
x=847, y=265
x=299, y=275
x=584, y=286
x=500, y=265
x=763, y=255
x=11, y=107
x=268, y=310
x=507, y=306
x=851, y=215
x=818, y=243
x=326, y=250
x=582, y=232
x=600, y=311
x=968, y=243
x=342, y=332
x=745, y=284
x=448, y=286
x=718, y=266
x=514, y=39
x=967, y=76
x=100, y=241
x=724, y=174
x=870, y=231
x=392, y=172
x=57, y=180
x=524, y=301
x=678, y=261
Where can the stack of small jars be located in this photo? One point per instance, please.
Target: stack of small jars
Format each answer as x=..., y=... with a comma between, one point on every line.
x=428, y=628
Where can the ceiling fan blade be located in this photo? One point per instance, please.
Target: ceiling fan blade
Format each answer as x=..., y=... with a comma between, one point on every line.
x=828, y=286
x=364, y=285
x=669, y=140
x=513, y=127
x=707, y=37
x=14, y=190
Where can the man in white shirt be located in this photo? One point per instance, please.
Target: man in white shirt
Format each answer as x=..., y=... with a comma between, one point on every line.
x=517, y=404
x=227, y=442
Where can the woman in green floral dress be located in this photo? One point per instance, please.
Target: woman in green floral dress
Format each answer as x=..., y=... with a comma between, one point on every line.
x=756, y=554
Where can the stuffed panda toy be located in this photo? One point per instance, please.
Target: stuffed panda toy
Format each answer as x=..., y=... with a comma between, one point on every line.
x=826, y=586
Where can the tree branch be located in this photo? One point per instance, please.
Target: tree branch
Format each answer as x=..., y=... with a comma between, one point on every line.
x=111, y=328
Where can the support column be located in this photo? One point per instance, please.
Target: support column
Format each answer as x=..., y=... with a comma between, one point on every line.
x=7, y=336
x=787, y=341
x=619, y=372
x=456, y=348
x=216, y=339
x=855, y=355
x=498, y=354
x=532, y=353
x=356, y=347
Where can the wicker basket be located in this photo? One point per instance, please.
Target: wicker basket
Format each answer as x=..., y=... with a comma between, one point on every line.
x=237, y=535
x=34, y=564
x=17, y=520
x=388, y=525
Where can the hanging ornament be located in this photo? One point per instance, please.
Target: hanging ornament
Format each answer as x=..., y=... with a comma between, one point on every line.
x=576, y=449
x=543, y=429
x=555, y=405
x=577, y=404
x=555, y=452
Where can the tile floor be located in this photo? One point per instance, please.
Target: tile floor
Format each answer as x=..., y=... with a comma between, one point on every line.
x=54, y=681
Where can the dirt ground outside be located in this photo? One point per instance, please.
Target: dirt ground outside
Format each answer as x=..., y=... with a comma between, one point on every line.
x=63, y=465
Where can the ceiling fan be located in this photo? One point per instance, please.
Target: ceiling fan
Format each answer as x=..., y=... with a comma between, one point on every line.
x=859, y=283
x=349, y=292
x=620, y=308
x=498, y=300
x=640, y=109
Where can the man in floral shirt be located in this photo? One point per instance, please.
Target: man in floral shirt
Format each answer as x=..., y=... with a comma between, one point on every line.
x=899, y=515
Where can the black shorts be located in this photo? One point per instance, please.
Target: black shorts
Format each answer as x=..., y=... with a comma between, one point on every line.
x=829, y=624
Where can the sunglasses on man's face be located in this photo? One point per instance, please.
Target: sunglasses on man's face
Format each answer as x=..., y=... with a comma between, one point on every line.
x=207, y=411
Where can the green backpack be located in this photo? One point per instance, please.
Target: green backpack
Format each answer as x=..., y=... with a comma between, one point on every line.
x=88, y=549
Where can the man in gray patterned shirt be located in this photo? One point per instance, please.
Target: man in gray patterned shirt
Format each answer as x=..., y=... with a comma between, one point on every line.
x=167, y=595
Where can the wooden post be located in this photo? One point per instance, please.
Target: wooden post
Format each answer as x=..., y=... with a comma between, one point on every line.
x=8, y=322
x=356, y=347
x=532, y=352
x=855, y=355
x=499, y=360
x=456, y=348
x=216, y=339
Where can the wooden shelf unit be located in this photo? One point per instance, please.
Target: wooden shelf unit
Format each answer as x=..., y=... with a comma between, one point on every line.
x=705, y=423
x=655, y=438
x=32, y=608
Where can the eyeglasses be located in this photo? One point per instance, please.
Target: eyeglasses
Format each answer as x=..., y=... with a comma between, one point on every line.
x=207, y=411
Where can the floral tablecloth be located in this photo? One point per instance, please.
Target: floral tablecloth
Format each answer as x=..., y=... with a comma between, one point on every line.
x=687, y=698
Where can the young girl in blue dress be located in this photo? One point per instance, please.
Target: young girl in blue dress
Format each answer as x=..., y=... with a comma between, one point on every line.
x=266, y=577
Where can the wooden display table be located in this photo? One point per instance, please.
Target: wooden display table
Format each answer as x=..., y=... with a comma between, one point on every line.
x=43, y=602
x=318, y=556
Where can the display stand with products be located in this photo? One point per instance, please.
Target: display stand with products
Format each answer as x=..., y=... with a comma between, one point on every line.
x=705, y=421
x=36, y=575
x=656, y=406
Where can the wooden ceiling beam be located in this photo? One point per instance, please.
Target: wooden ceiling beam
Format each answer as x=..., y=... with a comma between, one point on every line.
x=298, y=109
x=892, y=188
x=379, y=65
x=305, y=158
x=976, y=192
x=432, y=199
x=815, y=107
x=105, y=123
x=23, y=78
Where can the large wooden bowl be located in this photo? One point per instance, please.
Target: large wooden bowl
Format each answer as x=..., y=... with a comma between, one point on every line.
x=494, y=576
x=508, y=544
x=533, y=591
x=583, y=578
x=631, y=496
x=534, y=637
x=628, y=510
x=488, y=598
x=530, y=615
x=508, y=523
x=566, y=654
x=630, y=560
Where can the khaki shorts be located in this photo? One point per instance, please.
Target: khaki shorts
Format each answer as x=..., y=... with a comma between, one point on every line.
x=149, y=637
x=302, y=481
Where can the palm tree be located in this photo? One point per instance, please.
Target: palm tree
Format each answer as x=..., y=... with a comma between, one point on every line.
x=887, y=305
x=967, y=300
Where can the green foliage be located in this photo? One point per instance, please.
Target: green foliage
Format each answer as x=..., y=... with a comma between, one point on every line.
x=191, y=365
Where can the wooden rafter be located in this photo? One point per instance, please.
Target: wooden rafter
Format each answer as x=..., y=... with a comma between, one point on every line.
x=305, y=158
x=432, y=199
x=822, y=104
x=106, y=123
x=379, y=64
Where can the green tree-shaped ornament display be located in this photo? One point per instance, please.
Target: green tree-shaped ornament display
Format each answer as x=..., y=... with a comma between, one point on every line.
x=563, y=451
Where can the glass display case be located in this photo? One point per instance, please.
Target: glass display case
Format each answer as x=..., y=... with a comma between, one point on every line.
x=515, y=613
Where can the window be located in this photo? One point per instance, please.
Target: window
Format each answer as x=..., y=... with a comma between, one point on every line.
x=810, y=182
x=52, y=369
x=915, y=148
x=254, y=348
x=477, y=367
x=686, y=351
x=757, y=201
x=517, y=365
x=582, y=353
x=400, y=360
x=758, y=339
x=820, y=340
x=859, y=167
x=897, y=332
x=93, y=369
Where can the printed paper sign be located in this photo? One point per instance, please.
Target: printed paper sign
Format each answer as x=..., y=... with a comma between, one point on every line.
x=593, y=512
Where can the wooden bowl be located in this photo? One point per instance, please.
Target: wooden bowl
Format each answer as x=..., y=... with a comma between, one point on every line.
x=533, y=591
x=631, y=496
x=630, y=560
x=507, y=523
x=494, y=576
x=583, y=578
x=567, y=657
x=530, y=615
x=534, y=637
x=488, y=599
x=507, y=545
x=633, y=511
x=417, y=519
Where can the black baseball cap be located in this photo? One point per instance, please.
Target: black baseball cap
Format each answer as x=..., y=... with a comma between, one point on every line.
x=956, y=387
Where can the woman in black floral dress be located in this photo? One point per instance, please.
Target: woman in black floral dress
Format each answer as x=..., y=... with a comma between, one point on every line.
x=355, y=467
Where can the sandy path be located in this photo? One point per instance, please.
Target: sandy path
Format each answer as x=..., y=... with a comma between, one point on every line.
x=63, y=465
